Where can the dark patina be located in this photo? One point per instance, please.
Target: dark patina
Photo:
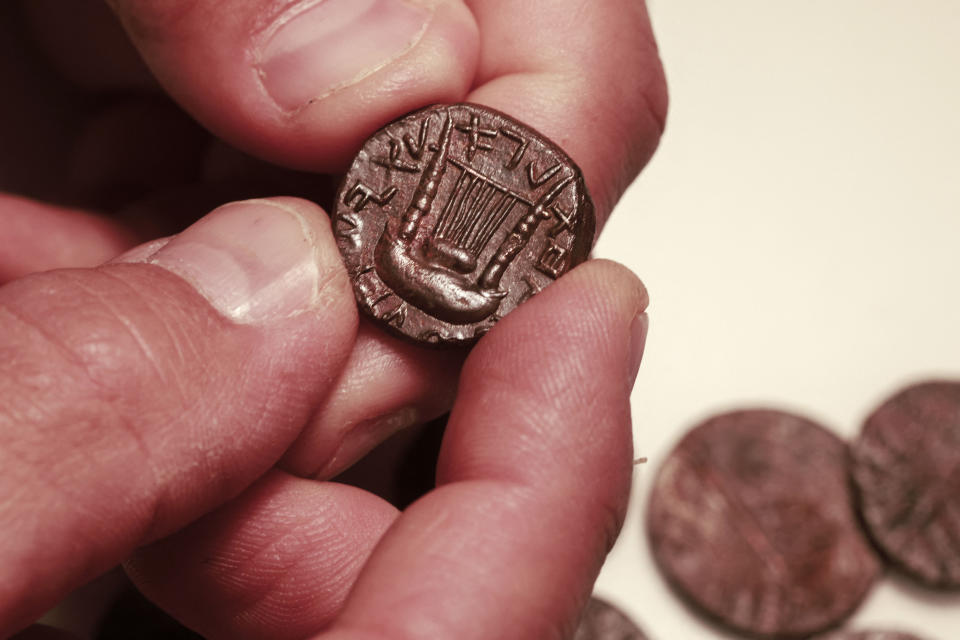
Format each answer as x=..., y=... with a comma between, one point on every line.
x=452, y=216
x=906, y=467
x=751, y=519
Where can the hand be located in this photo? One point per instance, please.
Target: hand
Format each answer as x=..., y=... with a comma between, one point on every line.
x=140, y=395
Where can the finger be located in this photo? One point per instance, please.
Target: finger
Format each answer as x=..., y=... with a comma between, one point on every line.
x=533, y=477
x=601, y=95
x=138, y=396
x=40, y=237
x=303, y=83
x=275, y=563
x=386, y=386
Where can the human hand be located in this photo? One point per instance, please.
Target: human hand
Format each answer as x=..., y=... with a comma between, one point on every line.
x=150, y=393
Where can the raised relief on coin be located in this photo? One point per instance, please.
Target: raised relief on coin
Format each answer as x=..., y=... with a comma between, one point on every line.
x=751, y=518
x=452, y=216
x=600, y=620
x=906, y=468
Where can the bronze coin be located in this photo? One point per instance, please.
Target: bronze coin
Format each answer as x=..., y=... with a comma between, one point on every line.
x=906, y=467
x=452, y=216
x=602, y=621
x=867, y=635
x=751, y=519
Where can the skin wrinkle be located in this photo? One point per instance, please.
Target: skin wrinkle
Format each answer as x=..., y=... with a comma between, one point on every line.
x=48, y=338
x=237, y=552
x=143, y=345
x=178, y=344
x=494, y=495
x=85, y=374
x=258, y=410
x=159, y=497
x=266, y=587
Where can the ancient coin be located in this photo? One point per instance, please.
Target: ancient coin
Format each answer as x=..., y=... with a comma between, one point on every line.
x=906, y=467
x=867, y=635
x=751, y=519
x=452, y=216
x=602, y=621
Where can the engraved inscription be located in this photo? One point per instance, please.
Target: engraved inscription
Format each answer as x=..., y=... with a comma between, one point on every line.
x=360, y=195
x=565, y=221
x=553, y=261
x=521, y=150
x=347, y=226
x=453, y=215
x=394, y=159
x=396, y=316
x=416, y=147
x=543, y=178
x=477, y=135
x=378, y=298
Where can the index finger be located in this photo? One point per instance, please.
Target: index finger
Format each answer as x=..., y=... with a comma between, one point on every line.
x=585, y=74
x=533, y=477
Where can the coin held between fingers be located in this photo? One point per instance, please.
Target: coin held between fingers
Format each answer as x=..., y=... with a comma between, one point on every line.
x=452, y=216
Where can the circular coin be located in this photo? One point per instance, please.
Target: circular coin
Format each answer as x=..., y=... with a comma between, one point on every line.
x=602, y=621
x=452, y=216
x=867, y=635
x=751, y=519
x=906, y=467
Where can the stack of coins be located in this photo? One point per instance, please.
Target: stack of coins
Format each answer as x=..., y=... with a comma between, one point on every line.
x=770, y=525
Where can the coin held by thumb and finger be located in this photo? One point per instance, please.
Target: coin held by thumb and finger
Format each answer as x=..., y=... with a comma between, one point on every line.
x=452, y=216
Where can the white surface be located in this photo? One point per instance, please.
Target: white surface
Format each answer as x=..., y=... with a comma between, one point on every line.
x=799, y=231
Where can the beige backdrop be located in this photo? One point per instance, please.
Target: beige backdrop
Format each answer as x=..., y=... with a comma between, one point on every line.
x=799, y=231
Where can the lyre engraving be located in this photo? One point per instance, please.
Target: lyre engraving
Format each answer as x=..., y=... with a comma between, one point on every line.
x=452, y=216
x=433, y=268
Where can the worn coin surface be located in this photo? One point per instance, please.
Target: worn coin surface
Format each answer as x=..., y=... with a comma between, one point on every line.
x=452, y=216
x=751, y=519
x=602, y=621
x=867, y=635
x=906, y=467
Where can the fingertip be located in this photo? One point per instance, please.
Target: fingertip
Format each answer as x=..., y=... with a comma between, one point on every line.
x=595, y=303
x=260, y=260
x=277, y=562
x=613, y=281
x=305, y=84
x=332, y=122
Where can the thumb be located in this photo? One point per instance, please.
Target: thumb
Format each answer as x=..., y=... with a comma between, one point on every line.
x=304, y=83
x=136, y=396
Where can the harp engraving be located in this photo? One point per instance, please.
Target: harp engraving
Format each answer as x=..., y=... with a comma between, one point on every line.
x=430, y=258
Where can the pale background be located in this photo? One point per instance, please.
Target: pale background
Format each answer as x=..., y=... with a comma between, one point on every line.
x=799, y=232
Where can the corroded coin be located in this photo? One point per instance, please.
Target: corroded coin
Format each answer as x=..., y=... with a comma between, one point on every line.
x=453, y=215
x=751, y=519
x=867, y=635
x=906, y=467
x=602, y=621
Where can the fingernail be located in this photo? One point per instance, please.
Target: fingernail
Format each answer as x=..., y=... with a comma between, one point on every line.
x=638, y=341
x=319, y=46
x=255, y=261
